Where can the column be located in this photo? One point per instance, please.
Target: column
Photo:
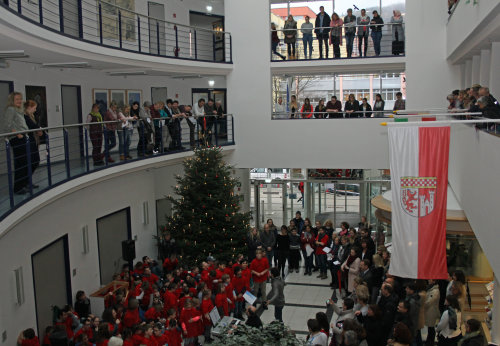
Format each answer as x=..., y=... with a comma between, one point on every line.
x=468, y=73
x=476, y=64
x=494, y=84
x=484, y=67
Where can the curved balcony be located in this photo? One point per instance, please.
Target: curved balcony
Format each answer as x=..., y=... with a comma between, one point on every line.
x=119, y=28
x=71, y=151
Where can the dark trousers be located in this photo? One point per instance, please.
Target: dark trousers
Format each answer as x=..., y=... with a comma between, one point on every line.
x=362, y=38
x=110, y=136
x=158, y=138
x=175, y=132
x=278, y=313
x=322, y=39
x=349, y=40
x=20, y=163
x=322, y=263
x=192, y=128
x=334, y=270
x=336, y=46
x=96, y=139
x=294, y=259
x=431, y=336
x=291, y=48
x=376, y=37
x=274, y=47
x=442, y=341
x=308, y=261
x=282, y=257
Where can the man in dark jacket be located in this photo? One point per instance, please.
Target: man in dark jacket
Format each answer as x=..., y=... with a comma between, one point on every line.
x=322, y=31
x=473, y=336
x=388, y=304
x=366, y=274
x=277, y=296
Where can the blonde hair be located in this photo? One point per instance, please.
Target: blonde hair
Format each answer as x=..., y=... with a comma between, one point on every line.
x=30, y=104
x=362, y=292
x=11, y=97
x=328, y=221
x=377, y=261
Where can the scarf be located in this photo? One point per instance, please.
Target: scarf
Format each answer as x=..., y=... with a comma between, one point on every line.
x=468, y=336
x=350, y=259
x=97, y=115
x=452, y=318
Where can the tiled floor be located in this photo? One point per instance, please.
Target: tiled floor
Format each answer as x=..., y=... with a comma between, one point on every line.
x=304, y=297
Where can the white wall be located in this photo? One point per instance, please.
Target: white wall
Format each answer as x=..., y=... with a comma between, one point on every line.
x=429, y=77
x=23, y=74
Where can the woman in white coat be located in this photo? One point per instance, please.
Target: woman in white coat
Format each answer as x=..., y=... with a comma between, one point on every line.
x=431, y=307
x=448, y=328
x=351, y=265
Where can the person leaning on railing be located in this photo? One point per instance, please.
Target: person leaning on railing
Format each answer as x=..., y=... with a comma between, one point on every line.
x=365, y=108
x=334, y=108
x=14, y=122
x=95, y=134
x=290, y=32
x=307, y=38
x=293, y=106
x=350, y=31
x=320, y=110
x=363, y=30
x=125, y=130
x=336, y=34
x=34, y=137
x=351, y=107
x=376, y=28
x=111, y=115
x=307, y=109
x=378, y=106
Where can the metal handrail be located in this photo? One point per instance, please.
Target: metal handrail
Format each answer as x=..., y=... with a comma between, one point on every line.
x=60, y=127
x=342, y=26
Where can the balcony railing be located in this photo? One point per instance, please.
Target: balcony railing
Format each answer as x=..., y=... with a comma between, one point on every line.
x=111, y=26
x=28, y=169
x=390, y=41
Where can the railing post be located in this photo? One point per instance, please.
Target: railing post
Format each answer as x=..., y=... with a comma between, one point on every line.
x=80, y=18
x=230, y=48
x=100, y=23
x=120, y=27
x=19, y=7
x=40, y=11
x=49, y=170
x=9, y=174
x=28, y=164
x=143, y=140
x=161, y=136
x=216, y=122
x=87, y=164
x=176, y=42
x=66, y=153
x=213, y=44
x=61, y=16
x=106, y=147
x=158, y=36
x=139, y=32
x=232, y=128
x=195, y=47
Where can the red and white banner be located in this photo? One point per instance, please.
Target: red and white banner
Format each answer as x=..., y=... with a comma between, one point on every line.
x=419, y=179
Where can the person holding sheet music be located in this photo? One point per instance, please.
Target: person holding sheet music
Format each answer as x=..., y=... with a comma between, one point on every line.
x=307, y=241
x=321, y=241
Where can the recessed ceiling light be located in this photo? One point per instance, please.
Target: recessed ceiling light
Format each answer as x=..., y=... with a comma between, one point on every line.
x=13, y=54
x=209, y=8
x=76, y=64
x=211, y=83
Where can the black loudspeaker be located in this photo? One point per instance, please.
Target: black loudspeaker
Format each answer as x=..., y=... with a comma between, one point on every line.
x=128, y=250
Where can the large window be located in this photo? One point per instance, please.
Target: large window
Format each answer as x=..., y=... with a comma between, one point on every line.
x=317, y=87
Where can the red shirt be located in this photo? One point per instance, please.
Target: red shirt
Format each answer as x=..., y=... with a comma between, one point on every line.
x=259, y=265
x=319, y=248
x=229, y=271
x=191, y=328
x=169, y=301
x=131, y=318
x=206, y=307
x=174, y=337
x=230, y=294
x=89, y=332
x=221, y=302
x=152, y=314
x=152, y=279
x=31, y=342
x=246, y=274
x=240, y=286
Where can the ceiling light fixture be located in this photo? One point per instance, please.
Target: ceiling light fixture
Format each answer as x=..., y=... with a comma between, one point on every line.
x=209, y=8
x=127, y=73
x=211, y=83
x=76, y=64
x=13, y=54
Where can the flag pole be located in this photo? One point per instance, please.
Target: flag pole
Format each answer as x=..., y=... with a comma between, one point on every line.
x=440, y=122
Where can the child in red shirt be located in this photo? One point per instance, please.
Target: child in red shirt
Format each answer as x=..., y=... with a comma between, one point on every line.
x=188, y=319
x=240, y=287
x=28, y=338
x=206, y=307
x=221, y=300
x=173, y=329
x=153, y=313
x=260, y=272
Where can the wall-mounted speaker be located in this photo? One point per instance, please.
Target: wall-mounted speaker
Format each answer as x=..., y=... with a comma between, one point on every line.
x=145, y=213
x=85, y=236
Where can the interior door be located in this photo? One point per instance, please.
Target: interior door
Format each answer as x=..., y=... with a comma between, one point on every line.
x=112, y=229
x=51, y=280
x=72, y=114
x=157, y=43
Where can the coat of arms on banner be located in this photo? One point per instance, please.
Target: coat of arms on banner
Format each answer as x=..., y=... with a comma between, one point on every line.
x=418, y=195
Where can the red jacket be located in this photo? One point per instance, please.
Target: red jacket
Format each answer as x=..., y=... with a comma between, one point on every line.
x=169, y=265
x=307, y=113
x=131, y=318
x=90, y=333
x=169, y=301
x=247, y=274
x=191, y=328
x=259, y=265
x=31, y=342
x=230, y=294
x=307, y=240
x=319, y=248
x=174, y=336
x=240, y=286
x=152, y=314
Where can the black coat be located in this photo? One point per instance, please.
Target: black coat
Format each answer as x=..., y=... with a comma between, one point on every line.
x=326, y=23
x=367, y=113
x=374, y=331
x=388, y=306
x=348, y=106
x=368, y=278
x=477, y=340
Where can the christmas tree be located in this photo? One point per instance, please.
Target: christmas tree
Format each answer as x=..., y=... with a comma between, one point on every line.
x=206, y=213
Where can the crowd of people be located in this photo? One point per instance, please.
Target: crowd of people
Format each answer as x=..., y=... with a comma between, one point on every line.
x=167, y=303
x=329, y=31
x=476, y=99
x=205, y=120
x=333, y=109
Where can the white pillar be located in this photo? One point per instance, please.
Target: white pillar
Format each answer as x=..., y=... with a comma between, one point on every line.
x=484, y=67
x=476, y=64
x=494, y=84
x=495, y=323
x=468, y=73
